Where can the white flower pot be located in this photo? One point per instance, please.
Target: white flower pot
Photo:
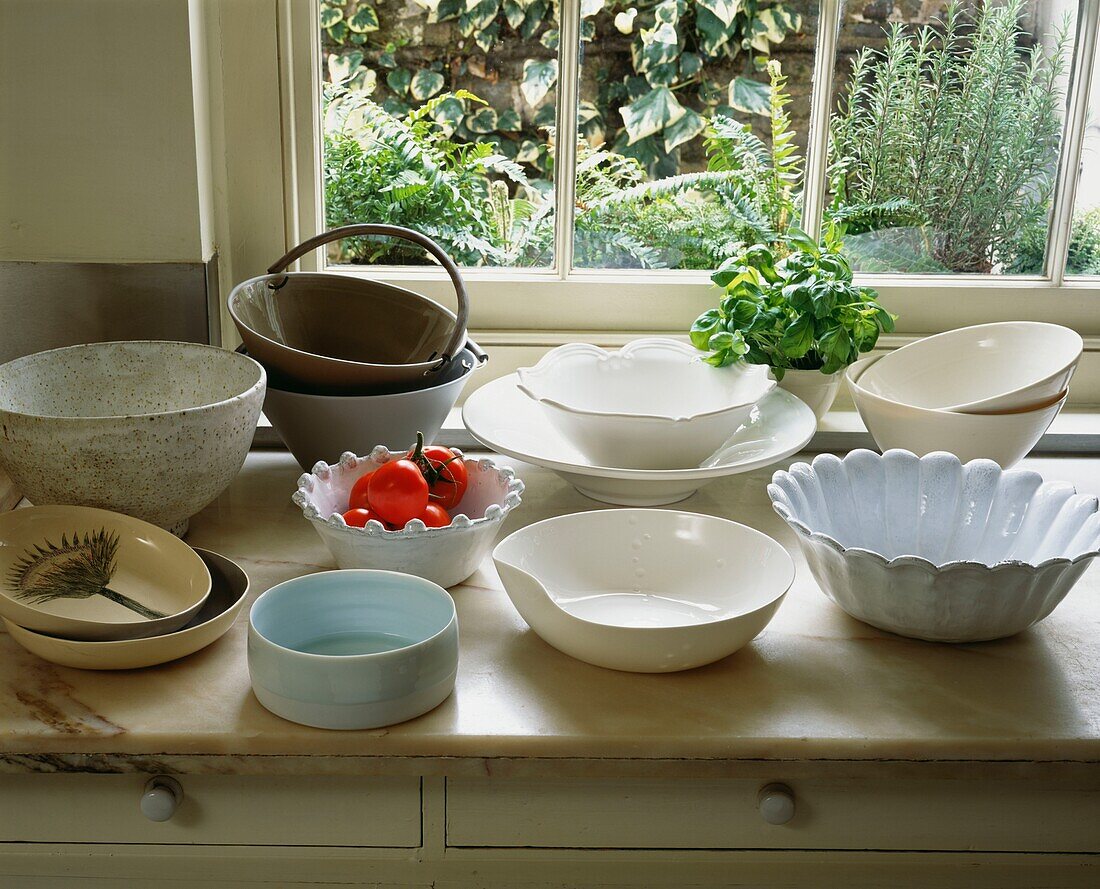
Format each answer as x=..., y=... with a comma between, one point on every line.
x=816, y=389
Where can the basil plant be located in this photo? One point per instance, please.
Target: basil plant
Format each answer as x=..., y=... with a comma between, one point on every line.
x=791, y=306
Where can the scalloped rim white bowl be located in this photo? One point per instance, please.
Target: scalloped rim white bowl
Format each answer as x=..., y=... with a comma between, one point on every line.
x=1003, y=366
x=653, y=404
x=446, y=556
x=1004, y=438
x=934, y=549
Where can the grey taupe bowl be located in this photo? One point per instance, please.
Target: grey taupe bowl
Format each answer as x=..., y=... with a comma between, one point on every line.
x=152, y=429
x=319, y=428
x=337, y=334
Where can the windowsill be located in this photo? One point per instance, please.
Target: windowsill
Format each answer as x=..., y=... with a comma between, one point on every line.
x=1074, y=431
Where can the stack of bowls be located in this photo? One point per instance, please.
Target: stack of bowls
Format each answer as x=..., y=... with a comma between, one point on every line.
x=90, y=588
x=353, y=362
x=988, y=391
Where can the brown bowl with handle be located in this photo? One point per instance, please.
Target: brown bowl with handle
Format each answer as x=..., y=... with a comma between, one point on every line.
x=339, y=334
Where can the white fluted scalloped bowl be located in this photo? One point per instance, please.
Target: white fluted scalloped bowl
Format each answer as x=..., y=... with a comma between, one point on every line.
x=933, y=549
x=654, y=404
x=446, y=556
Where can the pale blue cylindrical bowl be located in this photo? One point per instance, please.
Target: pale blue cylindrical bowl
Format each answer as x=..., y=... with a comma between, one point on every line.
x=315, y=648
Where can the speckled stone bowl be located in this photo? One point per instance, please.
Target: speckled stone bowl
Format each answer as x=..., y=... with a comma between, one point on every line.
x=155, y=430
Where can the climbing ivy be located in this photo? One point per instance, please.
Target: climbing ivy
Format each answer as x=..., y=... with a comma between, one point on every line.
x=663, y=104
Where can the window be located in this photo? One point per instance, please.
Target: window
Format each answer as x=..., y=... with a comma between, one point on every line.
x=617, y=228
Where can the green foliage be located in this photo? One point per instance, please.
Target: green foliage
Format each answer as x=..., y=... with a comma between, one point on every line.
x=955, y=130
x=791, y=305
x=407, y=171
x=1084, y=248
x=675, y=48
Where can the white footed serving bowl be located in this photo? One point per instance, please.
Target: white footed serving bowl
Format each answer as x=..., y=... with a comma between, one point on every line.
x=446, y=556
x=506, y=421
x=654, y=404
x=155, y=430
x=1004, y=438
x=1004, y=366
x=930, y=548
x=644, y=590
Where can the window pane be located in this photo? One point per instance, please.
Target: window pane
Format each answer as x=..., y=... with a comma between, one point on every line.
x=1084, y=241
x=945, y=135
x=437, y=115
x=658, y=80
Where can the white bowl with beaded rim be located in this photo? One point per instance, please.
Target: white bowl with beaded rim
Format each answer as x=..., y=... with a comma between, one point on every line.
x=654, y=404
x=446, y=556
x=935, y=549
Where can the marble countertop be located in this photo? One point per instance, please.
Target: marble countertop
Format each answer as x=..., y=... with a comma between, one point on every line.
x=817, y=685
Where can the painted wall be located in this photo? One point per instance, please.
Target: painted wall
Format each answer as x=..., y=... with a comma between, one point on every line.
x=98, y=110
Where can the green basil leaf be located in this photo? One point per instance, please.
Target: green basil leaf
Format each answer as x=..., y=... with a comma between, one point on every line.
x=798, y=338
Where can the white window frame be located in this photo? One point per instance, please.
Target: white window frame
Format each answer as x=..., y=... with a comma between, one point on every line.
x=562, y=302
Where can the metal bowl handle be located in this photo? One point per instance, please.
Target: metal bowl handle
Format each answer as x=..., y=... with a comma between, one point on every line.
x=458, y=337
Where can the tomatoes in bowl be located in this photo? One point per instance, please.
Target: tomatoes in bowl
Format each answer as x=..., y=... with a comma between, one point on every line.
x=397, y=491
x=444, y=470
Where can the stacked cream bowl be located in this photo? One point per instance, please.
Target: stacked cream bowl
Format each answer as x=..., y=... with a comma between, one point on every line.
x=988, y=391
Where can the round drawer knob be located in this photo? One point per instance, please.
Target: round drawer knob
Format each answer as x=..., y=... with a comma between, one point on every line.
x=776, y=803
x=161, y=799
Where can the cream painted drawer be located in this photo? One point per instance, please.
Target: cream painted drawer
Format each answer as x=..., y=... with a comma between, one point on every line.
x=845, y=814
x=229, y=809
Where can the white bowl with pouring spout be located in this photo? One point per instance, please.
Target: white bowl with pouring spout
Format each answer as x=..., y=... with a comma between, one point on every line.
x=644, y=590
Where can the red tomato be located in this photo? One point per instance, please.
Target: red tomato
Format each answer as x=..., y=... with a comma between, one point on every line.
x=434, y=516
x=358, y=517
x=444, y=470
x=397, y=492
x=357, y=499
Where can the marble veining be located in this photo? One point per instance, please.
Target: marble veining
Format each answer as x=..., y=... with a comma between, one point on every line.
x=816, y=685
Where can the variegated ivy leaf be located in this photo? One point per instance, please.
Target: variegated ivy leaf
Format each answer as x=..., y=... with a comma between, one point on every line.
x=364, y=20
x=398, y=80
x=539, y=78
x=662, y=75
x=713, y=32
x=448, y=114
x=779, y=22
x=509, y=121
x=667, y=12
x=649, y=51
x=445, y=10
x=339, y=32
x=340, y=68
x=486, y=37
x=528, y=152
x=664, y=33
x=588, y=30
x=684, y=130
x=429, y=5
x=425, y=84
x=750, y=96
x=364, y=80
x=330, y=15
x=482, y=121
x=624, y=21
x=536, y=12
x=590, y=8
x=514, y=13
x=651, y=113
x=690, y=64
x=478, y=17
x=550, y=38
x=724, y=10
